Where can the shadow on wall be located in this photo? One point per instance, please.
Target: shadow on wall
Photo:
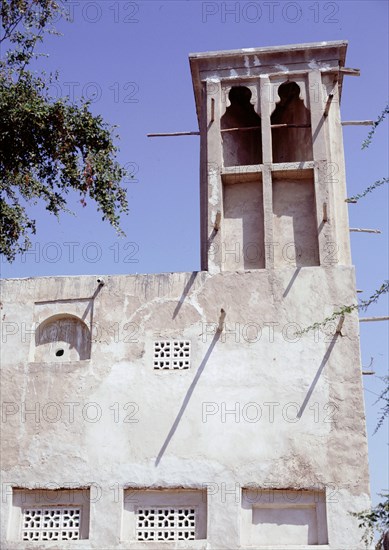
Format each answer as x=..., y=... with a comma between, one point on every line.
x=295, y=225
x=317, y=375
x=187, y=398
x=244, y=238
x=185, y=293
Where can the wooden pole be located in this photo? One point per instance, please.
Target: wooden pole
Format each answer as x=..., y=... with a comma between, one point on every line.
x=290, y=126
x=240, y=129
x=350, y=72
x=173, y=134
x=359, y=230
x=372, y=319
x=217, y=220
x=357, y=123
x=340, y=324
x=325, y=213
x=221, y=320
x=243, y=129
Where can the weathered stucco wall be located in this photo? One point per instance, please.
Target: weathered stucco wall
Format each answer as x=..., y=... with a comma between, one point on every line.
x=294, y=223
x=259, y=408
x=244, y=240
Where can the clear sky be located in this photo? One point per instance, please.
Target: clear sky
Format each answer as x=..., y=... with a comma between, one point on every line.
x=131, y=58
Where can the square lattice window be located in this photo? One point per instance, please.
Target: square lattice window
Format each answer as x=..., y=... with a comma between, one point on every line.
x=177, y=516
x=171, y=354
x=49, y=515
x=165, y=523
x=51, y=523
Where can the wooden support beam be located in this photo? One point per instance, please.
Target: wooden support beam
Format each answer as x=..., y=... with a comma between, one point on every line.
x=174, y=134
x=240, y=129
x=351, y=201
x=212, y=109
x=245, y=128
x=368, y=372
x=340, y=324
x=221, y=320
x=357, y=122
x=359, y=230
x=328, y=104
x=217, y=220
x=290, y=126
x=350, y=72
x=325, y=213
x=372, y=319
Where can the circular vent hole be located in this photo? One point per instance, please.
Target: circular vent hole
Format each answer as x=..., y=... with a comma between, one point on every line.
x=59, y=352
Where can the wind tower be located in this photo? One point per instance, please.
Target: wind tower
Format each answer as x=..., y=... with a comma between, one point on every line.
x=272, y=167
x=272, y=191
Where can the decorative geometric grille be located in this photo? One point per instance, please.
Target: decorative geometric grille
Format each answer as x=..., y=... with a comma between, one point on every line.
x=172, y=354
x=165, y=523
x=51, y=523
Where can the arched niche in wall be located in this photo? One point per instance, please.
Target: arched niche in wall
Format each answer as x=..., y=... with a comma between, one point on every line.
x=241, y=129
x=292, y=143
x=62, y=338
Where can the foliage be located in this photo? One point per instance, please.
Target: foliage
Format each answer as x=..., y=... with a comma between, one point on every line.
x=47, y=148
x=376, y=519
x=23, y=25
x=370, y=135
x=384, y=396
x=366, y=143
x=343, y=310
x=369, y=189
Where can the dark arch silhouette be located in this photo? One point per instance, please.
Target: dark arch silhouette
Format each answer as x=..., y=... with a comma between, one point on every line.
x=291, y=144
x=241, y=147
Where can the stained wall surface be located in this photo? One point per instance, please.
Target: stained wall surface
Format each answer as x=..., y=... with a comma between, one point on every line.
x=260, y=407
x=244, y=244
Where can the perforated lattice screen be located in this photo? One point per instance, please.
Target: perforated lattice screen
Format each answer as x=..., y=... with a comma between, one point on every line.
x=165, y=523
x=172, y=354
x=51, y=523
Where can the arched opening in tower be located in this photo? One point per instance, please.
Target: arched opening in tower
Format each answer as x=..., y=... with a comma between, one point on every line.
x=292, y=139
x=241, y=130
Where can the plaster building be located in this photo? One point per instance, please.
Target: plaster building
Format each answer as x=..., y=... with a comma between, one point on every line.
x=191, y=410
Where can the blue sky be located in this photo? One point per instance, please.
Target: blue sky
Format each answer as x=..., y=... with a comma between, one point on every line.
x=131, y=59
